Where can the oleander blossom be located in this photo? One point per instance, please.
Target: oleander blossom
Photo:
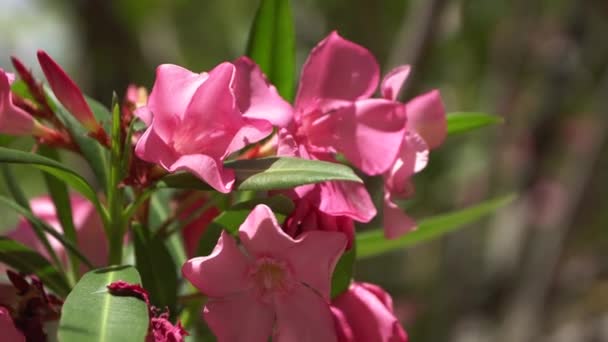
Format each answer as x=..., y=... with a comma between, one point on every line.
x=333, y=114
x=13, y=120
x=89, y=229
x=195, y=121
x=271, y=285
x=364, y=313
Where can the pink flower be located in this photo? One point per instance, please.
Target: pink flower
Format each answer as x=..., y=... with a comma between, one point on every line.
x=13, y=120
x=334, y=114
x=68, y=93
x=195, y=120
x=425, y=129
x=89, y=229
x=364, y=313
x=271, y=282
x=9, y=332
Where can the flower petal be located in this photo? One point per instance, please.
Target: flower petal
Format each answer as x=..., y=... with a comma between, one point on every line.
x=206, y=168
x=173, y=90
x=396, y=222
x=413, y=157
x=13, y=120
x=393, y=81
x=239, y=318
x=221, y=273
x=152, y=148
x=426, y=116
x=368, y=133
x=314, y=258
x=7, y=326
x=304, y=316
x=344, y=198
x=337, y=69
x=256, y=97
x=251, y=132
x=261, y=234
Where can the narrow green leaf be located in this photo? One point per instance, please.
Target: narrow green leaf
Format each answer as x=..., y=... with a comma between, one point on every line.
x=343, y=273
x=25, y=260
x=373, y=242
x=460, y=122
x=157, y=268
x=91, y=313
x=39, y=224
x=270, y=174
x=61, y=199
x=54, y=168
x=272, y=44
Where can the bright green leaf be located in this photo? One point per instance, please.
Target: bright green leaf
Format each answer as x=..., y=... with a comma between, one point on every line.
x=460, y=122
x=272, y=44
x=373, y=242
x=25, y=260
x=343, y=273
x=91, y=313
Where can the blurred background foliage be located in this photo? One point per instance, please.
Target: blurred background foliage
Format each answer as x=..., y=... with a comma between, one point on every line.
x=537, y=270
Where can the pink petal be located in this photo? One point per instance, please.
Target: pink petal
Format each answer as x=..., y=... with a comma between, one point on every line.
x=9, y=331
x=314, y=258
x=344, y=198
x=368, y=133
x=173, y=90
x=393, y=81
x=261, y=234
x=13, y=120
x=152, y=148
x=67, y=92
x=337, y=69
x=222, y=273
x=239, y=318
x=251, y=132
x=343, y=330
x=256, y=97
x=413, y=157
x=303, y=315
x=206, y=168
x=368, y=317
x=9, y=76
x=396, y=222
x=144, y=114
x=426, y=116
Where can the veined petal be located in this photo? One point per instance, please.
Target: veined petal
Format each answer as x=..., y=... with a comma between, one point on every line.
x=222, y=273
x=337, y=69
x=251, y=132
x=393, y=81
x=344, y=198
x=173, y=90
x=208, y=169
x=304, y=316
x=368, y=133
x=256, y=97
x=239, y=318
x=152, y=148
x=426, y=116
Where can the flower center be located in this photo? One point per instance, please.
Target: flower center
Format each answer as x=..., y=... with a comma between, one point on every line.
x=271, y=276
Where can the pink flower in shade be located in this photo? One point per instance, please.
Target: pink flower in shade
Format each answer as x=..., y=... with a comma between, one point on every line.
x=425, y=130
x=68, y=93
x=13, y=120
x=89, y=229
x=7, y=327
x=364, y=313
x=271, y=283
x=334, y=114
x=196, y=120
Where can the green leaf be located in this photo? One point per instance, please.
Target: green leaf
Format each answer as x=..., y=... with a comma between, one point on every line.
x=24, y=259
x=43, y=226
x=91, y=313
x=232, y=218
x=343, y=273
x=157, y=268
x=270, y=174
x=61, y=200
x=272, y=44
x=116, y=227
x=53, y=168
x=373, y=242
x=460, y=122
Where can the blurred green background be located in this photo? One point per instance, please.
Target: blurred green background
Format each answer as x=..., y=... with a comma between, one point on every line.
x=537, y=270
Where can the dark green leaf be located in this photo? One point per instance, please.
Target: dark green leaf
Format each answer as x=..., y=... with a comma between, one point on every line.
x=343, y=273
x=91, y=313
x=270, y=174
x=373, y=242
x=461, y=122
x=272, y=44
x=25, y=260
x=157, y=268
